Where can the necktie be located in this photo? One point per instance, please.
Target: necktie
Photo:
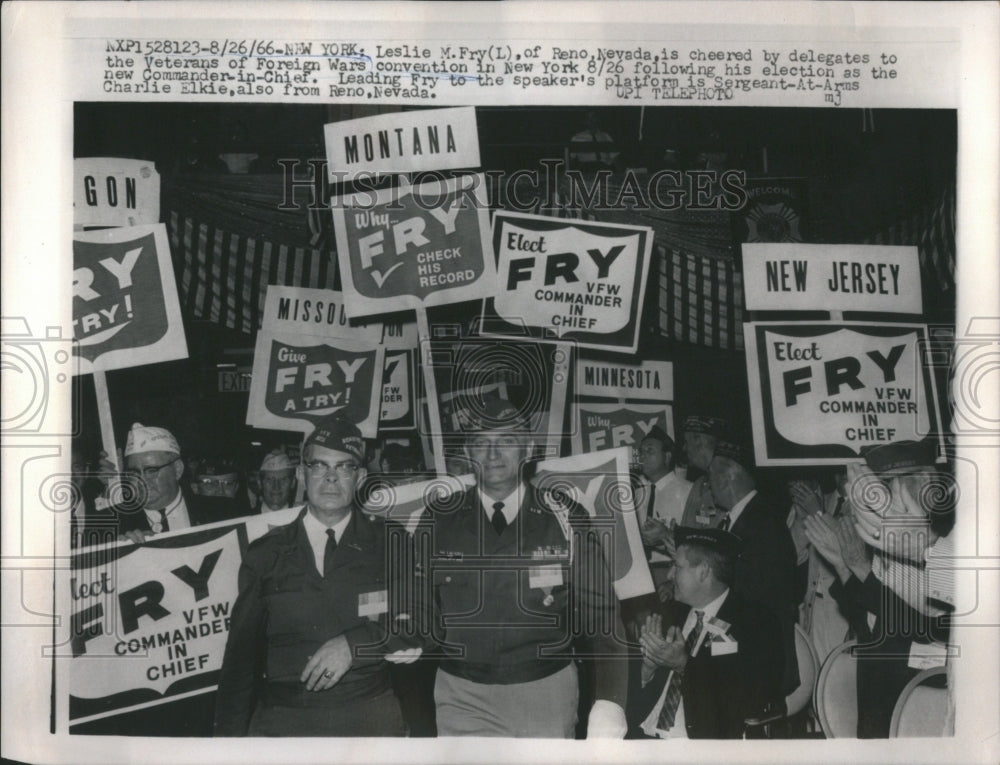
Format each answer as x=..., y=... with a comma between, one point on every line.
x=673, y=698
x=839, y=507
x=724, y=523
x=499, y=520
x=652, y=502
x=164, y=526
x=331, y=545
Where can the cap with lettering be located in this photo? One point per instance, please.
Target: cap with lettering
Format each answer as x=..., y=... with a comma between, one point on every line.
x=900, y=457
x=735, y=452
x=659, y=434
x=709, y=426
x=718, y=540
x=336, y=432
x=216, y=465
x=142, y=439
x=275, y=460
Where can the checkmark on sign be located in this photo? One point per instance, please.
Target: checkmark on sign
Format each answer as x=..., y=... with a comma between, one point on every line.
x=379, y=277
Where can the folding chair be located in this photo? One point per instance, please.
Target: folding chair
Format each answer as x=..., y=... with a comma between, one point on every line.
x=836, y=699
x=922, y=708
x=798, y=699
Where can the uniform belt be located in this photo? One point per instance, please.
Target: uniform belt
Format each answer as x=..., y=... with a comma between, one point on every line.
x=295, y=694
x=504, y=674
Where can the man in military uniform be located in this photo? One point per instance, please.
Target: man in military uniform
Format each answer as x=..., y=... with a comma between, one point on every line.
x=515, y=587
x=320, y=609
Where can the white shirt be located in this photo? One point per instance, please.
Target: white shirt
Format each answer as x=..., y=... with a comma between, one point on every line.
x=266, y=508
x=668, y=504
x=739, y=507
x=679, y=729
x=671, y=495
x=177, y=516
x=316, y=533
x=511, y=504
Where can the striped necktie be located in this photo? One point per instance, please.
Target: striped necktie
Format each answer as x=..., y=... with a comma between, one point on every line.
x=673, y=698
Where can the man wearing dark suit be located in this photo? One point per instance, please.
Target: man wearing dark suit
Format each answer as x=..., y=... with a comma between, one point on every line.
x=765, y=569
x=321, y=609
x=720, y=660
x=885, y=597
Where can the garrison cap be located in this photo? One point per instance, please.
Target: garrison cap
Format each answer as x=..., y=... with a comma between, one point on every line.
x=717, y=540
x=899, y=457
x=338, y=433
x=709, y=426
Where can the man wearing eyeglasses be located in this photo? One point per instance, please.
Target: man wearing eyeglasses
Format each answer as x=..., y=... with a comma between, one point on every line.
x=153, y=501
x=320, y=611
x=517, y=587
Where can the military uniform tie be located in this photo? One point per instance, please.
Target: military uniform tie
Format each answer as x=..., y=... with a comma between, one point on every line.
x=673, y=698
x=331, y=545
x=164, y=526
x=724, y=523
x=499, y=520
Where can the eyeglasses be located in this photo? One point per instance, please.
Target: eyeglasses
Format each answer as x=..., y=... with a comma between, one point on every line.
x=319, y=469
x=482, y=444
x=225, y=483
x=150, y=472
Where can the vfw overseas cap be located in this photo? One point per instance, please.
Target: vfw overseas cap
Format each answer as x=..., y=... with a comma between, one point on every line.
x=143, y=439
x=337, y=432
x=724, y=542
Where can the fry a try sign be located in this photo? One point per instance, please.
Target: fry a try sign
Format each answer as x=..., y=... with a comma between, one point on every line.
x=125, y=308
x=297, y=379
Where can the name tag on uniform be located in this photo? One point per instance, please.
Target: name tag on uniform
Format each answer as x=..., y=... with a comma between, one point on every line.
x=545, y=576
x=371, y=604
x=723, y=647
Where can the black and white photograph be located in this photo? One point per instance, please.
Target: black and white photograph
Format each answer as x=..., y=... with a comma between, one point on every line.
x=622, y=394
